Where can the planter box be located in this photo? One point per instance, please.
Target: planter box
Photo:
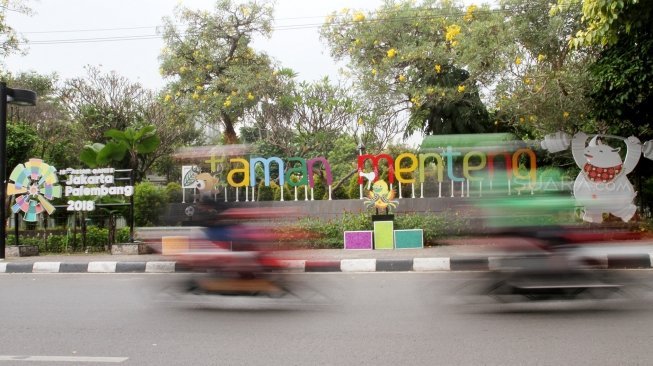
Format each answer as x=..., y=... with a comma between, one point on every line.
x=131, y=249
x=21, y=250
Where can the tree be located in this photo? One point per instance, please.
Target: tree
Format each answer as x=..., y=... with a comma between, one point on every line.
x=47, y=119
x=605, y=20
x=441, y=63
x=103, y=101
x=545, y=83
x=414, y=57
x=131, y=145
x=10, y=40
x=621, y=94
x=215, y=73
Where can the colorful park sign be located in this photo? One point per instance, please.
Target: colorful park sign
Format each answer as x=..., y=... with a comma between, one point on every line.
x=35, y=183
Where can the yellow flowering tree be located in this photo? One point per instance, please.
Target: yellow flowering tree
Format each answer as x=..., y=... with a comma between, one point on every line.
x=414, y=57
x=214, y=73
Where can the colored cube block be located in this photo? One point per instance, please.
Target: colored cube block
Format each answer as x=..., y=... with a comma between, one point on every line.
x=383, y=235
x=405, y=239
x=358, y=240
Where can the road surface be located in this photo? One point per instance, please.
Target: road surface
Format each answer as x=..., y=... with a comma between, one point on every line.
x=376, y=319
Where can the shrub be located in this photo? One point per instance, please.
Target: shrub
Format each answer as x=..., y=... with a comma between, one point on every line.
x=96, y=237
x=173, y=192
x=122, y=235
x=149, y=203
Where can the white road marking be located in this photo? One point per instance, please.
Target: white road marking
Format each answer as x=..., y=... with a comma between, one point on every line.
x=64, y=359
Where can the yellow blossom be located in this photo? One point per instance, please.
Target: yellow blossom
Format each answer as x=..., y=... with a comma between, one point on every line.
x=469, y=15
x=517, y=60
x=438, y=68
x=195, y=96
x=540, y=57
x=532, y=118
x=199, y=87
x=227, y=103
x=208, y=67
x=402, y=78
x=245, y=10
x=461, y=88
x=178, y=94
x=167, y=98
x=416, y=101
x=565, y=114
x=451, y=32
x=521, y=120
x=374, y=72
x=430, y=90
x=359, y=16
x=360, y=121
x=250, y=96
x=391, y=53
x=183, y=69
x=234, y=93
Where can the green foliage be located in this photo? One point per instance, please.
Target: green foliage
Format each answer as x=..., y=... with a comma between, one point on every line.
x=150, y=201
x=217, y=74
x=266, y=193
x=122, y=235
x=604, y=20
x=10, y=40
x=173, y=192
x=21, y=138
x=330, y=233
x=621, y=95
x=132, y=143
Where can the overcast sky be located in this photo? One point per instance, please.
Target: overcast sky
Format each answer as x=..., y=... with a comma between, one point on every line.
x=66, y=35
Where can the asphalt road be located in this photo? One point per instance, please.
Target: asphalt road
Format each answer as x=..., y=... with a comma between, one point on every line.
x=375, y=319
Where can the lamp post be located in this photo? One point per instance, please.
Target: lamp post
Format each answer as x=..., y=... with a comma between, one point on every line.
x=8, y=96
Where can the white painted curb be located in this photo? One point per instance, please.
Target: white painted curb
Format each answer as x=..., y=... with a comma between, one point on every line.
x=46, y=267
x=358, y=265
x=3, y=267
x=431, y=264
x=102, y=267
x=159, y=267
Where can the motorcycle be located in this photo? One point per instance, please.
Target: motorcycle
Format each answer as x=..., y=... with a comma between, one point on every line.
x=563, y=270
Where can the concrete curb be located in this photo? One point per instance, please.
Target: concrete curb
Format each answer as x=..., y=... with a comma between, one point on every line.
x=460, y=263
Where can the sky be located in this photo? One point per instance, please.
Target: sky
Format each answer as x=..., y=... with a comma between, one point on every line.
x=66, y=35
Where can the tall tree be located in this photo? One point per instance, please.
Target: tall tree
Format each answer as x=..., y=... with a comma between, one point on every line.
x=545, y=83
x=10, y=39
x=47, y=119
x=103, y=102
x=414, y=56
x=214, y=72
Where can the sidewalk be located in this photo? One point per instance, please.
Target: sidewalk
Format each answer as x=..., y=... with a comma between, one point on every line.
x=465, y=254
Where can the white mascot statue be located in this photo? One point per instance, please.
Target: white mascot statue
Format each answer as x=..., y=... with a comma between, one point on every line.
x=601, y=186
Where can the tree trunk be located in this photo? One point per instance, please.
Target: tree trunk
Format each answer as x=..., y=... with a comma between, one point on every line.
x=230, y=136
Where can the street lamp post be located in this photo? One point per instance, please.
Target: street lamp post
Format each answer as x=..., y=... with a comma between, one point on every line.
x=8, y=96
